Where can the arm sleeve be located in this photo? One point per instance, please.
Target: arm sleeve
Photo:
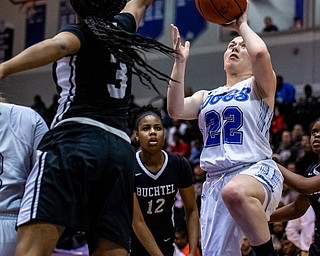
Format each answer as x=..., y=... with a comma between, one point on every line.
x=126, y=22
x=186, y=174
x=75, y=29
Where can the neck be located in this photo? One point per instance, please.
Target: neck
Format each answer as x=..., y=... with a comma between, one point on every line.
x=152, y=161
x=234, y=79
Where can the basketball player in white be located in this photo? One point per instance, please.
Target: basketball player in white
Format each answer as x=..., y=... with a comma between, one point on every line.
x=243, y=185
x=21, y=129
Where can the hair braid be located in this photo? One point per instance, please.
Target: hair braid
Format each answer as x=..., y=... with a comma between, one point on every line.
x=130, y=48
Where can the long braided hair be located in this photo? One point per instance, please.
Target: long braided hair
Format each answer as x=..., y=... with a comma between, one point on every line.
x=127, y=47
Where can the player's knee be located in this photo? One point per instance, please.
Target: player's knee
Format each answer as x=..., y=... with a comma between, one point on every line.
x=233, y=195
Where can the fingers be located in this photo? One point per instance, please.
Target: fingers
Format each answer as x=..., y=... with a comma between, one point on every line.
x=187, y=45
x=176, y=40
x=177, y=45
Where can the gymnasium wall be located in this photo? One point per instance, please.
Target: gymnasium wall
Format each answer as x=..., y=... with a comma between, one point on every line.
x=294, y=53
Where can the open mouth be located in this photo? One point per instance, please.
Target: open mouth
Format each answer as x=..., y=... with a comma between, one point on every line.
x=234, y=56
x=153, y=141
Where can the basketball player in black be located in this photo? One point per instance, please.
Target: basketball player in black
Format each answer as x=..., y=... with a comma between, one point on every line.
x=160, y=175
x=310, y=186
x=84, y=175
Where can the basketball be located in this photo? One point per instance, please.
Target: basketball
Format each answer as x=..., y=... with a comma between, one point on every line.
x=221, y=11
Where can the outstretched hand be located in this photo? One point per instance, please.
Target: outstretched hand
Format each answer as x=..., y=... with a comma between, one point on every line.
x=182, y=50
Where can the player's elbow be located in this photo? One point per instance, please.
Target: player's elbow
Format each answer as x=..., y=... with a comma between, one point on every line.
x=174, y=114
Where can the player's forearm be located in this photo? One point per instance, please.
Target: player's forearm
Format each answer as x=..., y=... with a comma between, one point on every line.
x=175, y=93
x=283, y=214
x=299, y=183
x=35, y=56
x=291, y=211
x=192, y=218
x=146, y=238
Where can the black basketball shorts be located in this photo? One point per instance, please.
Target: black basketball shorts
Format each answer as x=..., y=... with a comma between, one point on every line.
x=83, y=180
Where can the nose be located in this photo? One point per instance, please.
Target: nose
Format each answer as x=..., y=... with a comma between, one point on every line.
x=152, y=131
x=315, y=133
x=235, y=48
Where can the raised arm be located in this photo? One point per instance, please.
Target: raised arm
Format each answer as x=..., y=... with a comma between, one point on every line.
x=192, y=217
x=142, y=231
x=137, y=8
x=41, y=54
x=291, y=211
x=265, y=78
x=299, y=183
x=178, y=106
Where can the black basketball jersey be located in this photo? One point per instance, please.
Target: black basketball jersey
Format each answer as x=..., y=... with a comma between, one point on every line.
x=314, y=198
x=93, y=83
x=156, y=194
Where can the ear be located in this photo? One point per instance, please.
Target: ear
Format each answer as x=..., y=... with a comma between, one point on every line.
x=137, y=137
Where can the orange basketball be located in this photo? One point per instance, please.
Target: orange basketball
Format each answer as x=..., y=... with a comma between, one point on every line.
x=221, y=11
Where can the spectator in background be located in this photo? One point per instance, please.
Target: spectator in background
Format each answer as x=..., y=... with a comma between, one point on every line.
x=167, y=120
x=277, y=231
x=307, y=108
x=285, y=96
x=195, y=152
x=300, y=231
x=269, y=26
x=285, y=92
x=288, y=194
x=284, y=151
x=39, y=106
x=277, y=126
x=182, y=246
x=199, y=178
x=246, y=248
x=180, y=147
x=297, y=23
x=53, y=108
x=297, y=134
x=178, y=126
x=288, y=248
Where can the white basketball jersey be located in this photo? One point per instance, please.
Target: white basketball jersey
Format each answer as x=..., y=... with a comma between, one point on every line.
x=21, y=130
x=234, y=122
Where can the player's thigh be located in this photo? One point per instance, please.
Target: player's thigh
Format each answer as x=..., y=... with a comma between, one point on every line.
x=37, y=238
x=109, y=248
